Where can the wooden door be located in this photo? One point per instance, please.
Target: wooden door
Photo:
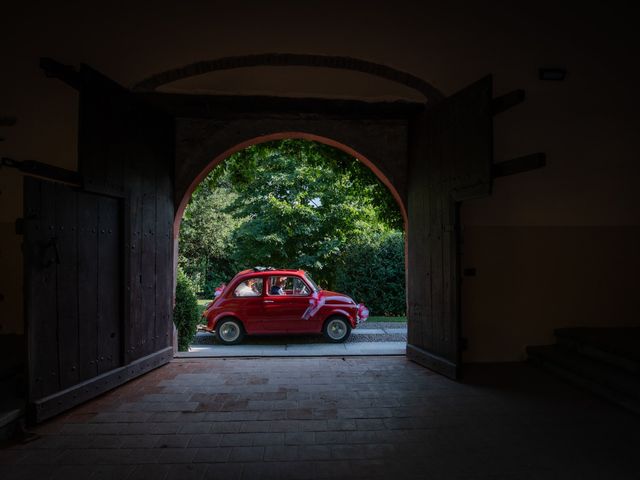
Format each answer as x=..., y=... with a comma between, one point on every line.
x=450, y=162
x=99, y=259
x=73, y=295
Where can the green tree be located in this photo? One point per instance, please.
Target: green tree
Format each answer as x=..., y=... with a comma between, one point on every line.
x=301, y=212
x=297, y=204
x=373, y=271
x=186, y=314
x=205, y=243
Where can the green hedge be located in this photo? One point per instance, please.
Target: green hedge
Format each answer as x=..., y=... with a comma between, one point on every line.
x=186, y=313
x=372, y=272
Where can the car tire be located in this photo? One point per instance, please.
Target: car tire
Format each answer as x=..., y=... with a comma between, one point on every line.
x=336, y=329
x=229, y=331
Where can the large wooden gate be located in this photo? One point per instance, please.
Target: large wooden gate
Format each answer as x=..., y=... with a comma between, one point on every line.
x=98, y=256
x=73, y=260
x=450, y=162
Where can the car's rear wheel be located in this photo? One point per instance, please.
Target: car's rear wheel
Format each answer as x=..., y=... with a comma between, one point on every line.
x=229, y=331
x=336, y=329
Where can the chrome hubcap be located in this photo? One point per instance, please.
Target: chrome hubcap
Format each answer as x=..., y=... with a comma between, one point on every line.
x=336, y=329
x=229, y=332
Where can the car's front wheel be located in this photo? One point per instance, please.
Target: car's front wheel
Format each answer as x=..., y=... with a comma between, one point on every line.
x=336, y=329
x=229, y=331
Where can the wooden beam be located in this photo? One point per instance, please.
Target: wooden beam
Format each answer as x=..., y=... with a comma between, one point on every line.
x=43, y=170
x=433, y=362
x=216, y=106
x=66, y=73
x=45, y=408
x=519, y=165
x=507, y=101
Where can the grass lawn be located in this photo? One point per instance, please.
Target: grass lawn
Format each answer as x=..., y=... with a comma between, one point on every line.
x=203, y=303
x=387, y=319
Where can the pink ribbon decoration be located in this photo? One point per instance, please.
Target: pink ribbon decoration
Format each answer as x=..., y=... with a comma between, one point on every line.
x=219, y=290
x=315, y=303
x=363, y=312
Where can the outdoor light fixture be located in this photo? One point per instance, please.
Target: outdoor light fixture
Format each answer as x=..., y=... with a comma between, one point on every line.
x=552, y=74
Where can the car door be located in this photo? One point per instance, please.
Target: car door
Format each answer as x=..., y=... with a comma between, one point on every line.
x=246, y=302
x=285, y=301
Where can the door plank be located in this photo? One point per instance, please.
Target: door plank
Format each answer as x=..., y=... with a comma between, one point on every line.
x=109, y=315
x=66, y=284
x=148, y=266
x=40, y=276
x=88, y=286
x=164, y=261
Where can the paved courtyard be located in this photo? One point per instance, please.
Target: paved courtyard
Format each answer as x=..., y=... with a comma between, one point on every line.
x=345, y=418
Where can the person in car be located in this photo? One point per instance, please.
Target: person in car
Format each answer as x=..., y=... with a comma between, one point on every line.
x=278, y=287
x=248, y=289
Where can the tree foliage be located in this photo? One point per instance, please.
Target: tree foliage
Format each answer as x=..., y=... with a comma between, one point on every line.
x=374, y=270
x=206, y=236
x=186, y=313
x=292, y=204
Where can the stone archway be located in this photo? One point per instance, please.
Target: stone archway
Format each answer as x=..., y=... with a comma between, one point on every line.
x=144, y=149
x=431, y=93
x=184, y=189
x=213, y=148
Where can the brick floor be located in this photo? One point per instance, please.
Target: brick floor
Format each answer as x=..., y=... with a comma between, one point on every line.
x=352, y=418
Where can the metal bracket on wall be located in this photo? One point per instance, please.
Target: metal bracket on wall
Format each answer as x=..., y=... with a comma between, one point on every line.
x=43, y=170
x=7, y=121
x=507, y=101
x=519, y=165
x=66, y=73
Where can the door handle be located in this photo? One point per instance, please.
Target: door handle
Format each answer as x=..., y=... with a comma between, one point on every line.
x=268, y=301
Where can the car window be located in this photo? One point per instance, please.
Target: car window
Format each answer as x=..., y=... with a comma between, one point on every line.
x=310, y=281
x=293, y=286
x=251, y=287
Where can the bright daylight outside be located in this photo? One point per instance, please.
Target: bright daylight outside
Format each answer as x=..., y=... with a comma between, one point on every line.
x=291, y=247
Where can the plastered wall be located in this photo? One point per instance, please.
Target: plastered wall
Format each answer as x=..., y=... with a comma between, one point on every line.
x=551, y=248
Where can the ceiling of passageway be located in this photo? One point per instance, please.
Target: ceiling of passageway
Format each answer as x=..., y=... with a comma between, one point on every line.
x=294, y=82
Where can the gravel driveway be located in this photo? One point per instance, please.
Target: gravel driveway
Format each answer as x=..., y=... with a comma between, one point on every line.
x=367, y=333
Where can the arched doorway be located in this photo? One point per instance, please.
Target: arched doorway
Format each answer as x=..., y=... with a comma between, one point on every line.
x=231, y=226
x=181, y=205
x=141, y=151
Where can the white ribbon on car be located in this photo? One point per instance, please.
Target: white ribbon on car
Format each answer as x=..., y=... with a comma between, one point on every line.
x=315, y=303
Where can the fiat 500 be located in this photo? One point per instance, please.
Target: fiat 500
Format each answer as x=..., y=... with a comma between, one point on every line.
x=265, y=301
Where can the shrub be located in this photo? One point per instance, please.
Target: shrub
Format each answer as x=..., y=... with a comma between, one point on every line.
x=372, y=272
x=186, y=314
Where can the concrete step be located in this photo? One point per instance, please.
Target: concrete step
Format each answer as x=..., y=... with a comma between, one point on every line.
x=615, y=346
x=9, y=422
x=611, y=382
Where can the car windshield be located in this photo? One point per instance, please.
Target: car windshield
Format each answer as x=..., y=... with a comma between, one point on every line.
x=311, y=282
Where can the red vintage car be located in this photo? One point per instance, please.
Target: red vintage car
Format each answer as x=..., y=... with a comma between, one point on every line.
x=263, y=301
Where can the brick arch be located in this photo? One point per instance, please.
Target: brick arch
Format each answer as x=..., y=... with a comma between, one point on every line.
x=218, y=159
x=430, y=92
